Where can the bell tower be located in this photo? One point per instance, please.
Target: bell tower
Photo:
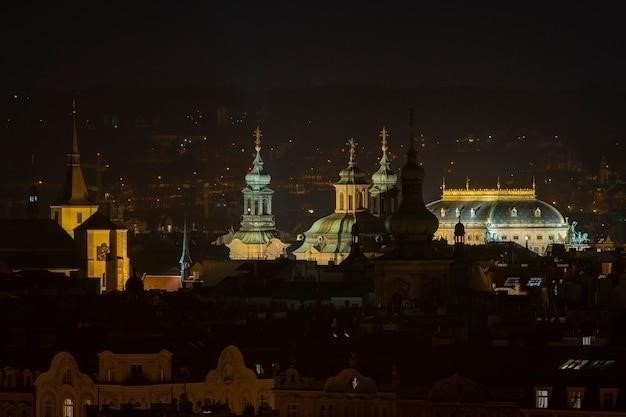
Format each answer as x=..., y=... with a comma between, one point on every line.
x=74, y=206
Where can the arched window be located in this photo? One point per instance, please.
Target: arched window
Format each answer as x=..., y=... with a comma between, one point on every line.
x=350, y=202
x=341, y=203
x=359, y=200
x=537, y=212
x=68, y=407
x=513, y=212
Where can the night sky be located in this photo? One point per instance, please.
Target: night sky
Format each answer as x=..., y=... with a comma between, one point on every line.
x=559, y=46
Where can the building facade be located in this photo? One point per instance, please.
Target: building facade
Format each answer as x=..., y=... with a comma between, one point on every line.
x=500, y=215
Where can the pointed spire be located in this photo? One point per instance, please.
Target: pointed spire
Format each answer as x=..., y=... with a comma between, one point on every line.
x=185, y=257
x=75, y=188
x=74, y=134
x=257, y=139
x=467, y=182
x=498, y=183
x=443, y=184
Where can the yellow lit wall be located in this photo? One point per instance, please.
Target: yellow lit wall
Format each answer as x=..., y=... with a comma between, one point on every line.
x=68, y=216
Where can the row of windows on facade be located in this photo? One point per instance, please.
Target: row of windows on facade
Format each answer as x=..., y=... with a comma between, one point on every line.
x=136, y=371
x=575, y=397
x=360, y=198
x=16, y=378
x=329, y=411
x=473, y=211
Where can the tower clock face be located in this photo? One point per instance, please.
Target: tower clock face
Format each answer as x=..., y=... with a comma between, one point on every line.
x=102, y=251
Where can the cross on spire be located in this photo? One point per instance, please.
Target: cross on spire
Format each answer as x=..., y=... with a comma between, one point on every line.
x=352, y=144
x=257, y=139
x=383, y=143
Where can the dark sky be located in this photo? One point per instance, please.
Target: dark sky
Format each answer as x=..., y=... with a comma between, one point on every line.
x=556, y=46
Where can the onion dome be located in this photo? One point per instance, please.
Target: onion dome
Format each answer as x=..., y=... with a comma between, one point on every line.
x=384, y=179
x=412, y=221
x=256, y=178
x=352, y=174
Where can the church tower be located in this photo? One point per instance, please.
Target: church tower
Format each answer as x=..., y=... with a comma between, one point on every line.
x=383, y=192
x=74, y=206
x=412, y=225
x=329, y=239
x=351, y=189
x=257, y=238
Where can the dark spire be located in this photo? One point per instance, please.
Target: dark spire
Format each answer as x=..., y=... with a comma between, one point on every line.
x=75, y=188
x=412, y=225
x=185, y=257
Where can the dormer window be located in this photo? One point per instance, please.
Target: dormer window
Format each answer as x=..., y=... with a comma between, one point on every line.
x=537, y=212
x=513, y=212
x=457, y=212
x=472, y=212
x=442, y=212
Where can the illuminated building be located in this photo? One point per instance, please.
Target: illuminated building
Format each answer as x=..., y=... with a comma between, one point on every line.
x=257, y=238
x=142, y=381
x=499, y=215
x=102, y=244
x=103, y=251
x=74, y=206
x=328, y=239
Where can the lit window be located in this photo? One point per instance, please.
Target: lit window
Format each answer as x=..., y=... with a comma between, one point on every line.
x=542, y=397
x=472, y=212
x=574, y=397
x=513, y=212
x=110, y=375
x=68, y=408
x=457, y=212
x=442, y=212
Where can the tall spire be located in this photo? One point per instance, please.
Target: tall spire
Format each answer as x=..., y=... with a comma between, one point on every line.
x=185, y=257
x=412, y=224
x=75, y=188
x=443, y=184
x=74, y=134
x=498, y=184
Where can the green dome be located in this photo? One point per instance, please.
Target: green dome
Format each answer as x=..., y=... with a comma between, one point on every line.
x=352, y=174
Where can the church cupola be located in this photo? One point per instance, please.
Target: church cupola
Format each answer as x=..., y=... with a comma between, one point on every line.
x=351, y=189
x=257, y=238
x=412, y=225
x=383, y=192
